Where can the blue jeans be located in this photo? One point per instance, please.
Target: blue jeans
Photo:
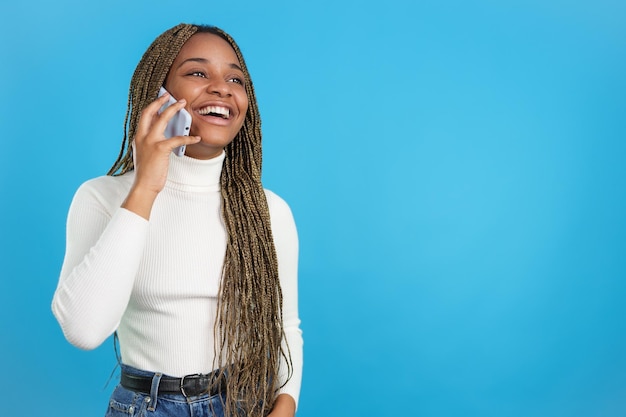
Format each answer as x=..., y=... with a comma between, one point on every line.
x=127, y=403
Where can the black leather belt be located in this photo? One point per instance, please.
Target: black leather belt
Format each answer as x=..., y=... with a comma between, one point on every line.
x=189, y=386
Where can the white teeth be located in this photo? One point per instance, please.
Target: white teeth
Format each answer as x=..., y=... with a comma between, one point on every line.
x=222, y=111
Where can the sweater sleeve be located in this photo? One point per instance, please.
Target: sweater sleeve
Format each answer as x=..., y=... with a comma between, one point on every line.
x=286, y=243
x=104, y=245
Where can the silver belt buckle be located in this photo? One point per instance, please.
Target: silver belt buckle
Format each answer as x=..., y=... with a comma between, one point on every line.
x=182, y=383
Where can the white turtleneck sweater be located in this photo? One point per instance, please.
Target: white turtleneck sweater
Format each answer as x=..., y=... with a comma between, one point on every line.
x=156, y=282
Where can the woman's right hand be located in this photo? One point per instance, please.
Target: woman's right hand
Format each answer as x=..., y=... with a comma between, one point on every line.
x=151, y=153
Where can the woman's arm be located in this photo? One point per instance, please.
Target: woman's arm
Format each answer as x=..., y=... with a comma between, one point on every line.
x=103, y=251
x=105, y=242
x=286, y=243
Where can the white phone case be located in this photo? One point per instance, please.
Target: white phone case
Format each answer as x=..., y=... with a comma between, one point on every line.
x=178, y=125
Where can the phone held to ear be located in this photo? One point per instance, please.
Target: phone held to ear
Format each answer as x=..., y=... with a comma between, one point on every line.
x=178, y=125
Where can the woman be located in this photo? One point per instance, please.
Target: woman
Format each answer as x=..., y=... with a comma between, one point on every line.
x=188, y=259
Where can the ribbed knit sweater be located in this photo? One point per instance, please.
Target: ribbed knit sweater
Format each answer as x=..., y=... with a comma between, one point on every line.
x=156, y=282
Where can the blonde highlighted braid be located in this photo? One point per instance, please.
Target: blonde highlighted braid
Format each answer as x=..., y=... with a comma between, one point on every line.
x=249, y=325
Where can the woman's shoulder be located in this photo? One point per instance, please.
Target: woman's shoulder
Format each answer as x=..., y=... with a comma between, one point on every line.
x=106, y=188
x=274, y=201
x=283, y=223
x=277, y=205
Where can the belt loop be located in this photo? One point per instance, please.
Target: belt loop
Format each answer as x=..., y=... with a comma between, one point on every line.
x=154, y=391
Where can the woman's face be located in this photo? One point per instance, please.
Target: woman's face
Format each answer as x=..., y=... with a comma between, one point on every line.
x=207, y=74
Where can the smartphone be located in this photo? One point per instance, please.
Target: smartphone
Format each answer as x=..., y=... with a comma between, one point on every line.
x=178, y=125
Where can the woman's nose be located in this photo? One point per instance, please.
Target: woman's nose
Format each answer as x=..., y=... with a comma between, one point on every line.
x=219, y=87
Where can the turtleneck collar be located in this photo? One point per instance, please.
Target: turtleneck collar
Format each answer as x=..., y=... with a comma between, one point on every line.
x=199, y=175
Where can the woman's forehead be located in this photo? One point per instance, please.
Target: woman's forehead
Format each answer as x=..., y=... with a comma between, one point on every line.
x=209, y=46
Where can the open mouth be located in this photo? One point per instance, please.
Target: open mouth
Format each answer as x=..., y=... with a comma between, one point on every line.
x=215, y=111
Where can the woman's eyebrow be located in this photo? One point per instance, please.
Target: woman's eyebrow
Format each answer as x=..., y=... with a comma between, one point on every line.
x=206, y=61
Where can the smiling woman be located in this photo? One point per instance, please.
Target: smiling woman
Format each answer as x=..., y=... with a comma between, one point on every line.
x=206, y=73
x=188, y=259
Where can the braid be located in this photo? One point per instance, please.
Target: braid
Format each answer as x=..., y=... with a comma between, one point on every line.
x=249, y=325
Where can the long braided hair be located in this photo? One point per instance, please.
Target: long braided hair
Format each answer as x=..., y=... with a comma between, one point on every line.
x=249, y=326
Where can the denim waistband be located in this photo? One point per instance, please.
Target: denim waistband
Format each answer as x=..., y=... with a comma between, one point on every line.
x=155, y=382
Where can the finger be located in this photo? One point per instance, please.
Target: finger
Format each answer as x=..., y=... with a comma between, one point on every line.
x=176, y=141
x=149, y=113
x=153, y=120
x=167, y=114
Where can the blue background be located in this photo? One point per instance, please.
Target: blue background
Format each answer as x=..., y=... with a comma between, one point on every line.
x=456, y=169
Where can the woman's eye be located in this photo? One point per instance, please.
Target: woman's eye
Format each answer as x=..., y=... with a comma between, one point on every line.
x=198, y=74
x=236, y=80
